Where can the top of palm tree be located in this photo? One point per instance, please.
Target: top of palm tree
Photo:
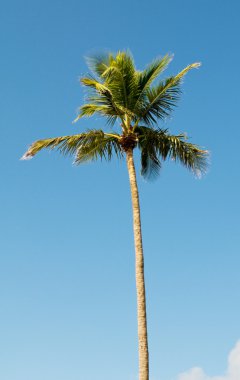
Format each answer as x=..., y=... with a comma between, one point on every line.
x=135, y=101
x=120, y=91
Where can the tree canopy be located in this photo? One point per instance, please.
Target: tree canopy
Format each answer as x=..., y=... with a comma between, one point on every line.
x=132, y=102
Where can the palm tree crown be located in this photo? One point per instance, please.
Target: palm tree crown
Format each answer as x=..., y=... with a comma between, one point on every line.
x=135, y=101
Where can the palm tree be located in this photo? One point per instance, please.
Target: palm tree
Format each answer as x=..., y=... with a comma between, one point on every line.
x=132, y=102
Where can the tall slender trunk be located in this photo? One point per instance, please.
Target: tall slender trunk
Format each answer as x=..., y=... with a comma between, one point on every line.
x=140, y=285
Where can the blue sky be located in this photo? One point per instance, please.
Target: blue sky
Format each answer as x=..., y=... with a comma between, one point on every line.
x=67, y=286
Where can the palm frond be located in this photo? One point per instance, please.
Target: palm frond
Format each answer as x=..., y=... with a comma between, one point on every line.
x=189, y=155
x=150, y=163
x=152, y=71
x=117, y=72
x=99, y=63
x=147, y=76
x=103, y=105
x=163, y=97
x=95, y=84
x=157, y=145
x=120, y=77
x=85, y=146
x=88, y=110
x=101, y=101
x=99, y=145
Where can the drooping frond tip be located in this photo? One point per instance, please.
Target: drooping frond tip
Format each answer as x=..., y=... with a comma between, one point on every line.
x=196, y=65
x=201, y=164
x=26, y=156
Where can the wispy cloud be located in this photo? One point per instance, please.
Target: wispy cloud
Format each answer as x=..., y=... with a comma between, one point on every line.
x=232, y=373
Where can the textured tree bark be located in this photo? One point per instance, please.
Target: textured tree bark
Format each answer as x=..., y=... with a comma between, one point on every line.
x=140, y=284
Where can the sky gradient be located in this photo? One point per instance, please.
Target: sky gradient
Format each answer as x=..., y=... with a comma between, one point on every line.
x=67, y=281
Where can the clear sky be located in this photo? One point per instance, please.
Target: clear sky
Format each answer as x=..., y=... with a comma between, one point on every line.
x=67, y=282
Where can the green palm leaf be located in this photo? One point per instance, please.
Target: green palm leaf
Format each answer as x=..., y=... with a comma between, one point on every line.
x=152, y=71
x=162, y=98
x=121, y=79
x=157, y=145
x=117, y=74
x=147, y=76
x=95, y=84
x=85, y=146
x=98, y=64
x=99, y=145
x=102, y=101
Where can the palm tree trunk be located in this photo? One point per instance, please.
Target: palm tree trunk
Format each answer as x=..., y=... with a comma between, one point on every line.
x=140, y=285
